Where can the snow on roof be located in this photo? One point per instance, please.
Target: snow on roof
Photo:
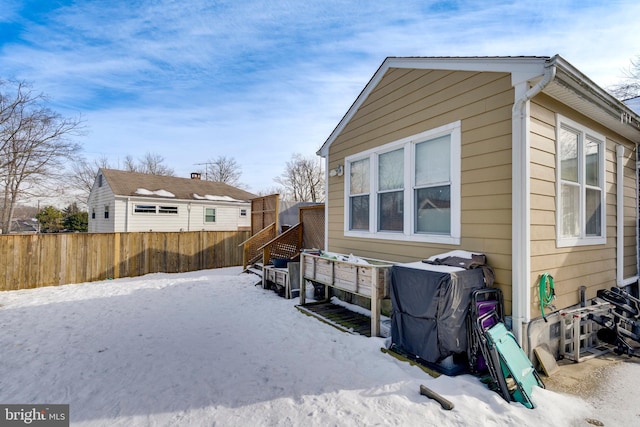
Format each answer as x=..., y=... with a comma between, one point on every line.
x=216, y=198
x=123, y=183
x=161, y=193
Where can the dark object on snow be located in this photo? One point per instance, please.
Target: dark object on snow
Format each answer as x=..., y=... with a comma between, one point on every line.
x=428, y=318
x=425, y=391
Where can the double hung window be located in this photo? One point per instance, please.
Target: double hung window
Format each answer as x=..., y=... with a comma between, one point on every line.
x=209, y=215
x=407, y=190
x=581, y=206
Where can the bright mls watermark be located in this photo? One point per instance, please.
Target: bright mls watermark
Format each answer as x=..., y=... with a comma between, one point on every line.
x=34, y=415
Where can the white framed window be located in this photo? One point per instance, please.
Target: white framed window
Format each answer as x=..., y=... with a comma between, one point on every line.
x=209, y=215
x=106, y=211
x=580, y=207
x=243, y=212
x=359, y=181
x=390, y=208
x=173, y=210
x=416, y=189
x=144, y=209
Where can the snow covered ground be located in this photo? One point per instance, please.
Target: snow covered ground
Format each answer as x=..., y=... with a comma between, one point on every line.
x=210, y=348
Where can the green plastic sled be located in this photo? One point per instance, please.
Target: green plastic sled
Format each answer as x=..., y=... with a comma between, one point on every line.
x=519, y=374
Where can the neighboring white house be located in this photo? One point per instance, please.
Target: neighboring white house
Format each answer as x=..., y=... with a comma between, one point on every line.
x=129, y=201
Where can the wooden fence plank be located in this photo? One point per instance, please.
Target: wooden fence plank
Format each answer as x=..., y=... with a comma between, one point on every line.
x=30, y=261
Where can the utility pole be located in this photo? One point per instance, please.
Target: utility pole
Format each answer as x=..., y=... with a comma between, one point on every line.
x=37, y=220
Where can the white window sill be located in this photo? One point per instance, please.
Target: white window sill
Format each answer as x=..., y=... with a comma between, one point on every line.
x=400, y=237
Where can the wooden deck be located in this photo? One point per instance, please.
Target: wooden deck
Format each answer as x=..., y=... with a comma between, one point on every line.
x=339, y=317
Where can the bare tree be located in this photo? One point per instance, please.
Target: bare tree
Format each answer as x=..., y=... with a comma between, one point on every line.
x=33, y=145
x=153, y=164
x=84, y=172
x=629, y=87
x=83, y=175
x=303, y=179
x=223, y=169
x=130, y=164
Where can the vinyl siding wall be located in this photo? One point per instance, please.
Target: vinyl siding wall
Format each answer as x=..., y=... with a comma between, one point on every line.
x=407, y=102
x=227, y=217
x=122, y=216
x=571, y=267
x=98, y=199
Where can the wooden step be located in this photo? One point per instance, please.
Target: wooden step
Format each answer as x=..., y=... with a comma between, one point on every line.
x=254, y=270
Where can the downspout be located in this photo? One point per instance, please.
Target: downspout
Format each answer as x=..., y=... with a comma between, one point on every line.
x=126, y=216
x=189, y=216
x=620, y=280
x=521, y=204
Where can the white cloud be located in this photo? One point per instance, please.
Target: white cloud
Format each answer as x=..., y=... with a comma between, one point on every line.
x=195, y=80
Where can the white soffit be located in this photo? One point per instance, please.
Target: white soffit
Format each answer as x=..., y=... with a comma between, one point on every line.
x=603, y=109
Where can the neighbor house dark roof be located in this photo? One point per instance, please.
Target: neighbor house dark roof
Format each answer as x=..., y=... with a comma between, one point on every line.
x=124, y=183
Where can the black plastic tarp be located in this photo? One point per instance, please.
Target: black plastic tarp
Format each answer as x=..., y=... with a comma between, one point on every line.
x=429, y=308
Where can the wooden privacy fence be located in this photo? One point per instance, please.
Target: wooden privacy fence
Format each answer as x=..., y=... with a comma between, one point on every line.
x=31, y=261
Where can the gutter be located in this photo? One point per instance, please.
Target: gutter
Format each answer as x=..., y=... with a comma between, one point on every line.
x=521, y=201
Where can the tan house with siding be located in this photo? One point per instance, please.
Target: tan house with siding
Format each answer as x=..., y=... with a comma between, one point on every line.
x=524, y=159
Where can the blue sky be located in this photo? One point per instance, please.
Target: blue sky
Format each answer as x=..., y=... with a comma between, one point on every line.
x=260, y=80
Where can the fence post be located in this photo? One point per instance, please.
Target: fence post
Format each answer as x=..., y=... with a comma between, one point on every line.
x=116, y=255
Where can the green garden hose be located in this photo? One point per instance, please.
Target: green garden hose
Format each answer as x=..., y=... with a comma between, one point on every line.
x=547, y=293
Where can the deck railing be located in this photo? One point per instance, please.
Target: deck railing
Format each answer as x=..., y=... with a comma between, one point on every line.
x=267, y=244
x=252, y=247
x=287, y=245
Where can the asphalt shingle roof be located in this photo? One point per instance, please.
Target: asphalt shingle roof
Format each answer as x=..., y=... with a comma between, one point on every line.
x=124, y=183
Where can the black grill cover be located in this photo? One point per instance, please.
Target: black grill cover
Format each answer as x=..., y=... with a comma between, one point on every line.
x=429, y=309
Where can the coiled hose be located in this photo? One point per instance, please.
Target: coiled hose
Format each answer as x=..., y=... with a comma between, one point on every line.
x=547, y=293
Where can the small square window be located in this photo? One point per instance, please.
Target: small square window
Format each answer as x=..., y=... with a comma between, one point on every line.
x=209, y=215
x=243, y=212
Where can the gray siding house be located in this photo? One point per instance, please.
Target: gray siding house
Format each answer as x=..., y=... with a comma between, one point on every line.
x=128, y=201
